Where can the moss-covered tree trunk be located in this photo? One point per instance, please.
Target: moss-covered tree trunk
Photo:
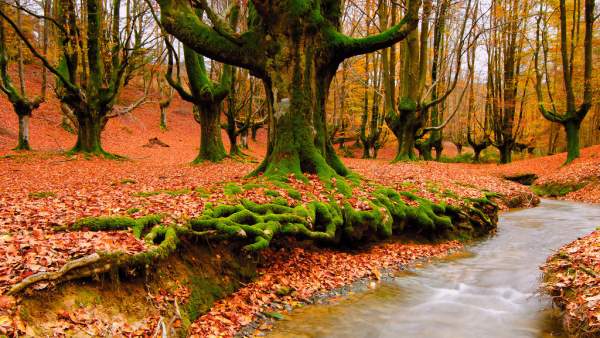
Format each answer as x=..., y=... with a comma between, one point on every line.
x=88, y=134
x=404, y=126
x=232, y=134
x=572, y=130
x=211, y=143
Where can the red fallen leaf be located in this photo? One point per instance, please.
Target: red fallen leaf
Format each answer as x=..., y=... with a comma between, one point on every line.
x=63, y=314
x=25, y=274
x=7, y=302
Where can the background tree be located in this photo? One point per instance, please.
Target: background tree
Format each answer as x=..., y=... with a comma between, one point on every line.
x=207, y=97
x=22, y=104
x=505, y=66
x=97, y=53
x=413, y=105
x=574, y=114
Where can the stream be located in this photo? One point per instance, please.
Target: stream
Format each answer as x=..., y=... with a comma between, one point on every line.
x=491, y=290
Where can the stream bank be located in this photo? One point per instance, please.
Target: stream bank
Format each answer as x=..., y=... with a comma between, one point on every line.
x=494, y=293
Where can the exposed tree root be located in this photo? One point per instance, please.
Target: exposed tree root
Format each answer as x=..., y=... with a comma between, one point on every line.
x=380, y=214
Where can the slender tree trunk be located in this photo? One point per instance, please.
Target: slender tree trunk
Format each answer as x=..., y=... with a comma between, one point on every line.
x=459, y=148
x=234, y=150
x=163, y=117
x=23, y=132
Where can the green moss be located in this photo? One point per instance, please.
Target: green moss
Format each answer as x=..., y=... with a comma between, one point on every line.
x=117, y=223
x=145, y=193
x=132, y=211
x=128, y=181
x=556, y=189
x=204, y=292
x=295, y=194
x=176, y=192
x=232, y=189
x=41, y=194
x=251, y=186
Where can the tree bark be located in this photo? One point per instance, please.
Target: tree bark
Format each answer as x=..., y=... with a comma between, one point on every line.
x=23, y=133
x=211, y=144
x=88, y=135
x=572, y=132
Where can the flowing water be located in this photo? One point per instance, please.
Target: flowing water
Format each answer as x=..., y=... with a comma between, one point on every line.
x=490, y=291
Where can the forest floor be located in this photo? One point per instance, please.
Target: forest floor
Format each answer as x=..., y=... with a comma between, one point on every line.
x=43, y=189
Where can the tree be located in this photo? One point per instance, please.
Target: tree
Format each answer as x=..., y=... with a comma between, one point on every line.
x=207, y=97
x=472, y=120
x=95, y=59
x=505, y=66
x=22, y=105
x=165, y=90
x=371, y=122
x=574, y=115
x=413, y=106
x=237, y=124
x=295, y=47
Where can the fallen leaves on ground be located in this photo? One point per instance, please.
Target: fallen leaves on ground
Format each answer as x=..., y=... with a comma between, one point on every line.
x=572, y=278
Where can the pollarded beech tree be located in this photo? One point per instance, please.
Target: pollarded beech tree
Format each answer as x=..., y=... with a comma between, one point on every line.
x=96, y=56
x=17, y=96
x=413, y=104
x=295, y=46
x=207, y=97
x=574, y=114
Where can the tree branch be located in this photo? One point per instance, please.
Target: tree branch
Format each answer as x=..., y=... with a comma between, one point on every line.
x=349, y=47
x=180, y=20
x=38, y=55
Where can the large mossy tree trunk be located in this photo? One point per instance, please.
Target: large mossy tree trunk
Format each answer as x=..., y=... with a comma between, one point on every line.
x=89, y=129
x=404, y=125
x=295, y=47
x=207, y=97
x=211, y=143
